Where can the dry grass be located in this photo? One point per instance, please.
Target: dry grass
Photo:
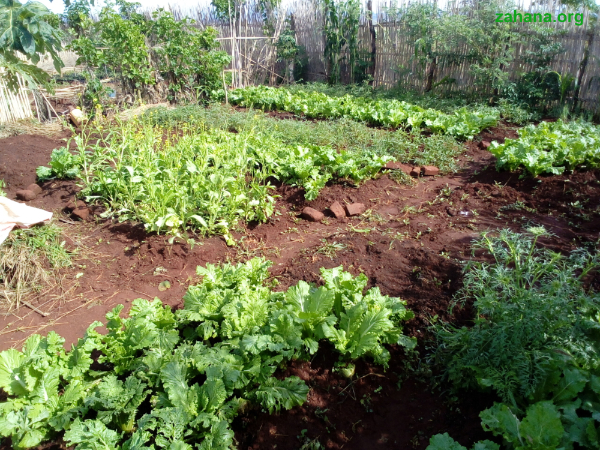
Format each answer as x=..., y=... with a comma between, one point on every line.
x=29, y=263
x=31, y=126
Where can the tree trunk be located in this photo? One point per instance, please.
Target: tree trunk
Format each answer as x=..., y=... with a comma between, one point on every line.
x=430, y=75
x=583, y=65
x=371, y=69
x=293, y=62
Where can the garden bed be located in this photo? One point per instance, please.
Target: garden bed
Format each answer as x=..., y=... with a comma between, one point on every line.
x=410, y=243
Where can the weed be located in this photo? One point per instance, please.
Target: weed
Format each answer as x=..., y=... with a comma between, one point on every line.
x=329, y=249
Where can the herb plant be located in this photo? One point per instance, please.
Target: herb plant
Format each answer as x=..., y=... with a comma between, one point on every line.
x=534, y=343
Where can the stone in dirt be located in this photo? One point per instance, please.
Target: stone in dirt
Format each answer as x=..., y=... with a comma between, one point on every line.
x=34, y=188
x=388, y=211
x=338, y=210
x=356, y=209
x=25, y=195
x=485, y=144
x=312, y=214
x=75, y=205
x=430, y=171
x=415, y=172
x=81, y=213
x=394, y=165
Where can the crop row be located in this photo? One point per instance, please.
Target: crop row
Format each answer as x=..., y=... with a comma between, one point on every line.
x=463, y=123
x=170, y=380
x=205, y=180
x=550, y=147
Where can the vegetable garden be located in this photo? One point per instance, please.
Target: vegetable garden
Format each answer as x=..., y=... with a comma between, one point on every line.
x=305, y=266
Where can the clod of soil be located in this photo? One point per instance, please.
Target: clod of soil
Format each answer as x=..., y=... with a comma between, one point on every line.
x=415, y=172
x=25, y=195
x=312, y=214
x=34, y=188
x=81, y=213
x=355, y=209
x=430, y=171
x=338, y=210
x=72, y=205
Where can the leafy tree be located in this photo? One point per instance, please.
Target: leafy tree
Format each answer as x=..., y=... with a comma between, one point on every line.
x=24, y=29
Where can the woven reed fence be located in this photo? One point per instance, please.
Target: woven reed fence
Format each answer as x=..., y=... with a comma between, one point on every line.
x=14, y=105
x=255, y=57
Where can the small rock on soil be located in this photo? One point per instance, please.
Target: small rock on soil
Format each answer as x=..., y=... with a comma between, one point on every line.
x=34, y=188
x=312, y=214
x=338, y=210
x=25, y=195
x=356, y=209
x=72, y=205
x=485, y=144
x=393, y=165
x=81, y=213
x=430, y=171
x=415, y=172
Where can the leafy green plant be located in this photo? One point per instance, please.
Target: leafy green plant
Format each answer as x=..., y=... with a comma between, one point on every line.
x=463, y=123
x=171, y=380
x=208, y=180
x=25, y=28
x=2, y=187
x=534, y=343
x=63, y=164
x=550, y=147
x=346, y=136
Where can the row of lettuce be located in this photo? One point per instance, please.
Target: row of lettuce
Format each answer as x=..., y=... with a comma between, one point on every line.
x=172, y=380
x=160, y=379
x=462, y=124
x=548, y=148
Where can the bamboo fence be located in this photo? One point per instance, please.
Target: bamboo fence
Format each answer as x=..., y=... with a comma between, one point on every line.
x=254, y=56
x=14, y=105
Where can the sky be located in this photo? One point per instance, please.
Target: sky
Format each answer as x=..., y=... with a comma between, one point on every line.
x=57, y=6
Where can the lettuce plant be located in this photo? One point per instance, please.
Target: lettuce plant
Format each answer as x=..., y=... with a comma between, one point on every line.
x=174, y=380
x=550, y=147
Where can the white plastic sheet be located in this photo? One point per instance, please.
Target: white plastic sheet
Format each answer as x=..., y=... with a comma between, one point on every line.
x=14, y=214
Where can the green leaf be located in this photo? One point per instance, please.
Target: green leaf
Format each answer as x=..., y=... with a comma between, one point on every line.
x=274, y=394
x=541, y=428
x=444, y=442
x=501, y=421
x=10, y=380
x=91, y=435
